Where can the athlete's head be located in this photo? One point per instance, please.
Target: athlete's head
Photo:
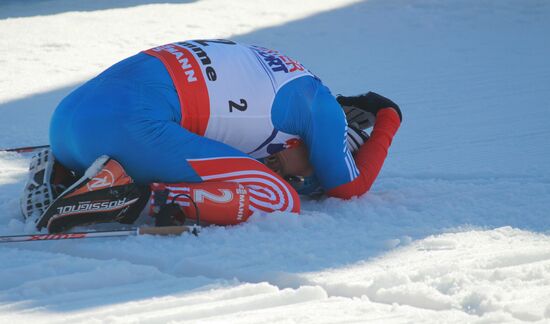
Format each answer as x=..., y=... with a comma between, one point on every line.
x=293, y=165
x=290, y=162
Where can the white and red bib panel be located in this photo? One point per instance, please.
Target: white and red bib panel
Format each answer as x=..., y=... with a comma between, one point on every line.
x=226, y=90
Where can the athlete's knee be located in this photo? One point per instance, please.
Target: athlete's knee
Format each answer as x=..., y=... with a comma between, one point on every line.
x=219, y=203
x=268, y=191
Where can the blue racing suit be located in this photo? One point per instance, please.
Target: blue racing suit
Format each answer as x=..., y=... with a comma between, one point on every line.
x=132, y=113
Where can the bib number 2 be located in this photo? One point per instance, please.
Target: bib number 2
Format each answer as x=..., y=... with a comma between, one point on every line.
x=234, y=105
x=202, y=195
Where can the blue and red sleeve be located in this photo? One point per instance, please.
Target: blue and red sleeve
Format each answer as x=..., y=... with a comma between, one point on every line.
x=370, y=157
x=306, y=107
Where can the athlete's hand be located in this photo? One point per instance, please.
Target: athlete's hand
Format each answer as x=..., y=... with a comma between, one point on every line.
x=361, y=110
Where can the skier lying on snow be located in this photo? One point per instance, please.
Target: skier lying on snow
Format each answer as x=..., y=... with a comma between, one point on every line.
x=223, y=127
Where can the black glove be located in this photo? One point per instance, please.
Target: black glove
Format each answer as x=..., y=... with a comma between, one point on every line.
x=166, y=213
x=361, y=110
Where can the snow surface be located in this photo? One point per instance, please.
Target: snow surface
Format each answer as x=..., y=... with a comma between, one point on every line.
x=456, y=229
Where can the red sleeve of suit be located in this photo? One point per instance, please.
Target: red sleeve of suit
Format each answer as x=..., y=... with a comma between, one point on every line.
x=370, y=157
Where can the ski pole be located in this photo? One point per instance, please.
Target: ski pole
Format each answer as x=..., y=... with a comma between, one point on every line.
x=24, y=149
x=163, y=230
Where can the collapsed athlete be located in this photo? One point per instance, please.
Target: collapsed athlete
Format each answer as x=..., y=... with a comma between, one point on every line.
x=230, y=128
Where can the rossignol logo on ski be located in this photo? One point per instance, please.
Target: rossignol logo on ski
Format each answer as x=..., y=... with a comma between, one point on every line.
x=86, y=207
x=103, y=180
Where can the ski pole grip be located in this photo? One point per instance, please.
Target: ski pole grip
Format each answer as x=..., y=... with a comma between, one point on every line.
x=163, y=230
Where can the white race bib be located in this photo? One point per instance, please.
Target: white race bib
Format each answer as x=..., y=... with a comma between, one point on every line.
x=226, y=91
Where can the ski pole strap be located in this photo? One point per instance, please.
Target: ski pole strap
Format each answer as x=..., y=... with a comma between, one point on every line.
x=166, y=230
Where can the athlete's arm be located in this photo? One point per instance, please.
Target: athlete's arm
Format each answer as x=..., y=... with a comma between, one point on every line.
x=307, y=108
x=370, y=157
